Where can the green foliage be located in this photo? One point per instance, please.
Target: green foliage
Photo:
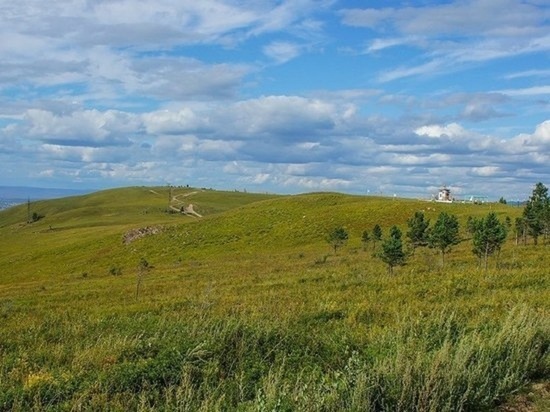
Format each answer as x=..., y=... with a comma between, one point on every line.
x=520, y=228
x=36, y=217
x=365, y=238
x=418, y=230
x=144, y=265
x=392, y=250
x=537, y=212
x=337, y=237
x=488, y=238
x=376, y=235
x=472, y=224
x=444, y=234
x=115, y=270
x=502, y=200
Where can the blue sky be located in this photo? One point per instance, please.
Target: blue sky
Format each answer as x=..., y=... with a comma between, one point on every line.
x=283, y=96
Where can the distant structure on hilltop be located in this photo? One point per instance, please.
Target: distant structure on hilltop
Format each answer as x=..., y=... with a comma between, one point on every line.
x=444, y=195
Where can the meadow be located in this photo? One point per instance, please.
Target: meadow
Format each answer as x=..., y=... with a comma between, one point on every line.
x=250, y=309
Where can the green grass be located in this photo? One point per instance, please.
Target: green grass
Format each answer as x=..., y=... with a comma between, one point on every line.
x=248, y=308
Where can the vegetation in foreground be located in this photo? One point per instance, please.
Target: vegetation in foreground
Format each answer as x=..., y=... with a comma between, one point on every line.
x=249, y=308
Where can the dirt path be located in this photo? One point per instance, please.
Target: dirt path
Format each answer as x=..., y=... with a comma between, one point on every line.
x=176, y=198
x=186, y=210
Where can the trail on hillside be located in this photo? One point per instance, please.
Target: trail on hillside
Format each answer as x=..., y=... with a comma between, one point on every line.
x=186, y=210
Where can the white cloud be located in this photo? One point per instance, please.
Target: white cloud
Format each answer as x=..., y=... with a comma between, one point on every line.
x=181, y=121
x=81, y=128
x=462, y=17
x=128, y=49
x=540, y=138
x=477, y=111
x=283, y=117
x=425, y=68
x=261, y=178
x=197, y=92
x=528, y=91
x=485, y=171
x=528, y=73
x=381, y=44
x=436, y=131
x=282, y=52
x=455, y=34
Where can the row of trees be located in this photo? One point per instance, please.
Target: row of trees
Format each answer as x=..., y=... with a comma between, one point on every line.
x=488, y=233
x=488, y=236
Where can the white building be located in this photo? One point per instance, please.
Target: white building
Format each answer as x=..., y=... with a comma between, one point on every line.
x=444, y=195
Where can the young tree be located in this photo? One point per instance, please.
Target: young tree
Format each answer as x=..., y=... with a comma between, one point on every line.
x=418, y=230
x=444, y=234
x=365, y=239
x=537, y=212
x=489, y=237
x=520, y=228
x=472, y=224
x=337, y=237
x=376, y=236
x=392, y=250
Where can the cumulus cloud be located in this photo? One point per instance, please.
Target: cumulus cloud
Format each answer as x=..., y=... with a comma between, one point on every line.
x=452, y=130
x=540, y=138
x=286, y=117
x=485, y=171
x=274, y=141
x=479, y=112
x=83, y=128
x=200, y=92
x=181, y=121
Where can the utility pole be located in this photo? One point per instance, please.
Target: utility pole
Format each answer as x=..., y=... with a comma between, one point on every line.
x=29, y=210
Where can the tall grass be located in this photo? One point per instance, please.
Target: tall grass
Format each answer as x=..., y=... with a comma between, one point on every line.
x=433, y=364
x=250, y=310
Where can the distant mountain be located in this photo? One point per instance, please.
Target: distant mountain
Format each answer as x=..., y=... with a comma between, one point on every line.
x=34, y=193
x=5, y=203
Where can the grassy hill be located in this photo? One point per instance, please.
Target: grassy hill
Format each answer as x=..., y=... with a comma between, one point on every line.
x=248, y=308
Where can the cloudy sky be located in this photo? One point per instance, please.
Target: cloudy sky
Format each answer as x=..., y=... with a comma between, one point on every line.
x=282, y=96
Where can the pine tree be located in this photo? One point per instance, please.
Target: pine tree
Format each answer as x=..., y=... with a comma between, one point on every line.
x=337, y=237
x=418, y=230
x=392, y=250
x=537, y=213
x=472, y=224
x=444, y=234
x=488, y=238
x=365, y=239
x=376, y=236
x=520, y=228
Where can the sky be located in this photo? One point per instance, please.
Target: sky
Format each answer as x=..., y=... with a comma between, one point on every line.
x=280, y=96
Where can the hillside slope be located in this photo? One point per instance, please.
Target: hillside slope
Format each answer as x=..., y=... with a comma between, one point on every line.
x=249, y=307
x=84, y=233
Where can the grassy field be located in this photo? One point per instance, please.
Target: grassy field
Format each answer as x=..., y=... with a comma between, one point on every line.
x=249, y=308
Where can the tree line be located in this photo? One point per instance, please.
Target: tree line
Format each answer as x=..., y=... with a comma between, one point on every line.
x=488, y=234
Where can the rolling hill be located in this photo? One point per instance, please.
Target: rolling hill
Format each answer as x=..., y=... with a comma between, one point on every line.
x=249, y=306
